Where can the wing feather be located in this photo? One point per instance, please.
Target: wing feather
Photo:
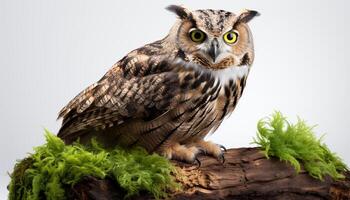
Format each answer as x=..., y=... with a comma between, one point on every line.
x=117, y=97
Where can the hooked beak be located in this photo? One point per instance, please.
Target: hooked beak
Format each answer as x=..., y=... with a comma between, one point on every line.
x=214, y=50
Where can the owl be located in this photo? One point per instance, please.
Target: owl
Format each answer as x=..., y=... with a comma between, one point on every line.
x=168, y=95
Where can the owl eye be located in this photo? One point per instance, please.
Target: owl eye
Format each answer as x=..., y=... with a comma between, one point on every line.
x=230, y=37
x=197, y=36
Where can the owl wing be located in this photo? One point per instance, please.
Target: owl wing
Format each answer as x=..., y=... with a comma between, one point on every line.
x=119, y=97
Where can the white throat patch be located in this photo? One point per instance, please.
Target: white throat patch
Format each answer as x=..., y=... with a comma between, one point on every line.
x=230, y=73
x=222, y=75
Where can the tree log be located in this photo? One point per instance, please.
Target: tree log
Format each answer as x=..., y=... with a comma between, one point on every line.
x=246, y=174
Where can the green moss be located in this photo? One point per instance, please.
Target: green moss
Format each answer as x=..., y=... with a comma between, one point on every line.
x=55, y=166
x=16, y=189
x=296, y=143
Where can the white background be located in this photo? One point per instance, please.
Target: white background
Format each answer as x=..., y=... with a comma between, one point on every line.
x=51, y=50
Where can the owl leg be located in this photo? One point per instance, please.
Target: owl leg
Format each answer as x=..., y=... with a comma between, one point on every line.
x=211, y=148
x=182, y=153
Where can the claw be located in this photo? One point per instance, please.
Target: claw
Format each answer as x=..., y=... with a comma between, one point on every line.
x=222, y=158
x=223, y=148
x=198, y=163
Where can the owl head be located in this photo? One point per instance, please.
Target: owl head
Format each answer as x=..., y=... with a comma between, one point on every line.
x=215, y=39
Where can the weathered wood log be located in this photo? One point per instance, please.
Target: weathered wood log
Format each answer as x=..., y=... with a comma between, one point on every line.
x=246, y=174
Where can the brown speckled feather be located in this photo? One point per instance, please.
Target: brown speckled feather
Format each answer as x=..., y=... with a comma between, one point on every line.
x=120, y=97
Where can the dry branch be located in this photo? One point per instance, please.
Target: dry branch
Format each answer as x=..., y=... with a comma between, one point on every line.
x=246, y=174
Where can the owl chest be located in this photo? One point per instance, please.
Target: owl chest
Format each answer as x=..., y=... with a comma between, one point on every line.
x=227, y=100
x=232, y=83
x=220, y=103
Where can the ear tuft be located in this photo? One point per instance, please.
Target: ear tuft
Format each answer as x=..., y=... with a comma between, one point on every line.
x=180, y=11
x=246, y=15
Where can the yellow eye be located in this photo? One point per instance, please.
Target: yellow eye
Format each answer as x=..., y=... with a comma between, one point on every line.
x=197, y=36
x=230, y=37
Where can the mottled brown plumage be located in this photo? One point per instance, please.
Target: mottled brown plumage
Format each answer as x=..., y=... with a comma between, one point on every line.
x=168, y=95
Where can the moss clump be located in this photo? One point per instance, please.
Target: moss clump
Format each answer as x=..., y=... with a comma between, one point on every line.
x=297, y=143
x=55, y=166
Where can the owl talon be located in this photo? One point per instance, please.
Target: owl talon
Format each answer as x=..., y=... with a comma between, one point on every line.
x=212, y=149
x=222, y=158
x=198, y=162
x=223, y=147
x=183, y=153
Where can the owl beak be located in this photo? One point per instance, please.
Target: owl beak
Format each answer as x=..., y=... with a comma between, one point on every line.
x=214, y=50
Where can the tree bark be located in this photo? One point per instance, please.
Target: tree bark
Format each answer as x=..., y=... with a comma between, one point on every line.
x=246, y=174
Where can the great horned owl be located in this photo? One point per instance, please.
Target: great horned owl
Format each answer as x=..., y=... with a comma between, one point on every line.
x=168, y=95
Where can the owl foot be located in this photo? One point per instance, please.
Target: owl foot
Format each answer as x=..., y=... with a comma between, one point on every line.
x=183, y=153
x=212, y=149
